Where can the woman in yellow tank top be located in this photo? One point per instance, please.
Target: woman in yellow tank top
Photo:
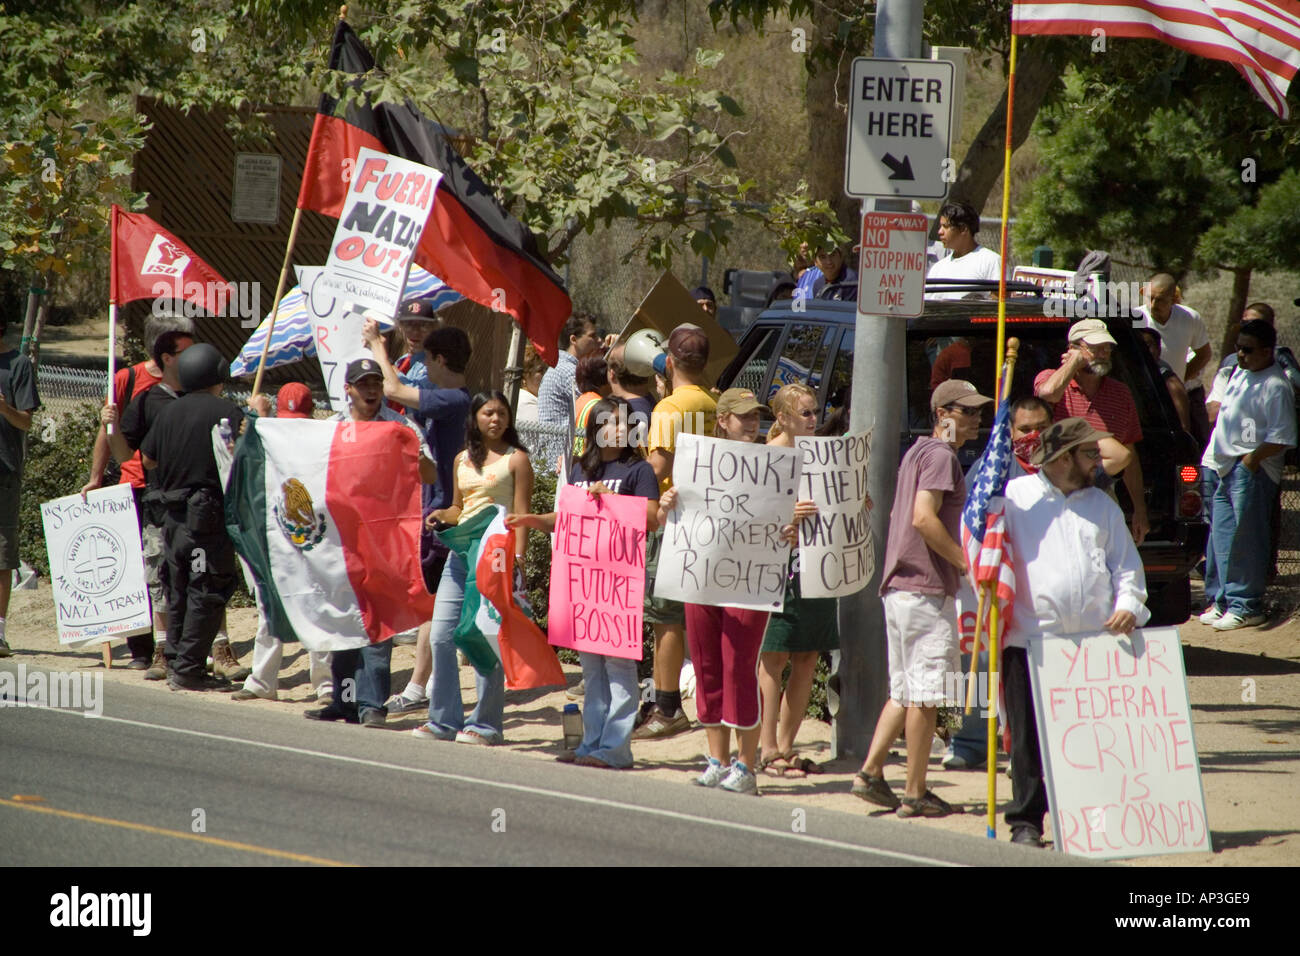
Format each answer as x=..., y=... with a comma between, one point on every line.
x=493, y=469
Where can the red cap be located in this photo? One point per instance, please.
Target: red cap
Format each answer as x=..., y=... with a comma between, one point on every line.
x=294, y=401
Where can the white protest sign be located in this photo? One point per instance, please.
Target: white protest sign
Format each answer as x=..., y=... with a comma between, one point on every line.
x=96, y=566
x=384, y=214
x=837, y=555
x=1119, y=754
x=722, y=542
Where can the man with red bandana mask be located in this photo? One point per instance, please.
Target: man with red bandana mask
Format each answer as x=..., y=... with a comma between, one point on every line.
x=1030, y=417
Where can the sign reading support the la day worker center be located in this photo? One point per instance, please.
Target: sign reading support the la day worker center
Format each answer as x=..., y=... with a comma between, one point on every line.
x=598, y=573
x=96, y=566
x=387, y=207
x=1119, y=755
x=722, y=543
x=837, y=554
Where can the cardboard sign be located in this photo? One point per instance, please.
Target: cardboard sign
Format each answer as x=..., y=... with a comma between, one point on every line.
x=837, y=554
x=96, y=566
x=669, y=305
x=388, y=204
x=598, y=573
x=1119, y=753
x=722, y=543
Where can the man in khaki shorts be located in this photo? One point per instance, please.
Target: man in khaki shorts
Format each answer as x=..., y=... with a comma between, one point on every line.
x=922, y=568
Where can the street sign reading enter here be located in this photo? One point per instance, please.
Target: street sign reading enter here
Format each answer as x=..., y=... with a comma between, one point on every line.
x=900, y=118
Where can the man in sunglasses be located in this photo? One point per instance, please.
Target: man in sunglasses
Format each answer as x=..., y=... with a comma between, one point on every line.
x=1077, y=571
x=921, y=572
x=1256, y=423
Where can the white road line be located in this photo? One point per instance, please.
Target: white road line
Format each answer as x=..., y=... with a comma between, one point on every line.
x=538, y=791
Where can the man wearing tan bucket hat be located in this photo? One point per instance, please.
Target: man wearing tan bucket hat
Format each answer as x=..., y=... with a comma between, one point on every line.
x=1077, y=571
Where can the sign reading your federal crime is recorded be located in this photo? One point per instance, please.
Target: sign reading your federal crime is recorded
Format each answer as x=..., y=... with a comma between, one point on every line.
x=900, y=119
x=891, y=267
x=96, y=566
x=722, y=543
x=1119, y=755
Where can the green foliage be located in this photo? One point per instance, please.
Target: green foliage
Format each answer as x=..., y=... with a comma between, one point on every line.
x=57, y=464
x=1262, y=236
x=537, y=552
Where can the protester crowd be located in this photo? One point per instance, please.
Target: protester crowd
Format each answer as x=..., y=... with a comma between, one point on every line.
x=626, y=406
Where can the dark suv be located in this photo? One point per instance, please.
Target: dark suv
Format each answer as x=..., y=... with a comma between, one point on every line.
x=815, y=346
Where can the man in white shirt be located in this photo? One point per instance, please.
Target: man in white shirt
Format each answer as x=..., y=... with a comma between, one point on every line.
x=1077, y=571
x=1182, y=333
x=1256, y=423
x=966, y=259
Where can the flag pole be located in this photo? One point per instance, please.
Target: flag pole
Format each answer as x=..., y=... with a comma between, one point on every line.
x=112, y=308
x=279, y=291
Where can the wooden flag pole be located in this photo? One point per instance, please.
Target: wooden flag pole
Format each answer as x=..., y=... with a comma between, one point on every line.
x=975, y=651
x=279, y=291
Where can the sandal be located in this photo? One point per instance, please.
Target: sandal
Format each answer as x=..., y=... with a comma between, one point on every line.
x=803, y=764
x=776, y=765
x=787, y=765
x=875, y=790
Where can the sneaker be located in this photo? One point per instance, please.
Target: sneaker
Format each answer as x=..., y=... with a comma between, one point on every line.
x=874, y=790
x=1027, y=836
x=405, y=638
x=137, y=664
x=1231, y=621
x=226, y=664
x=475, y=738
x=713, y=774
x=955, y=761
x=642, y=715
x=401, y=704
x=661, y=726
x=1210, y=616
x=578, y=691
x=4, y=648
x=245, y=694
x=924, y=806
x=158, y=666
x=739, y=779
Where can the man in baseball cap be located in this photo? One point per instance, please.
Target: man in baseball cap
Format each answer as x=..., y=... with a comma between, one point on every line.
x=294, y=401
x=416, y=319
x=1082, y=388
x=958, y=393
x=1081, y=576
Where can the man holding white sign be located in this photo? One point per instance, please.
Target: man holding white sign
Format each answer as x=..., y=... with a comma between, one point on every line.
x=1077, y=571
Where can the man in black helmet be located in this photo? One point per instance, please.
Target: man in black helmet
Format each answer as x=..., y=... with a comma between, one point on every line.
x=200, y=557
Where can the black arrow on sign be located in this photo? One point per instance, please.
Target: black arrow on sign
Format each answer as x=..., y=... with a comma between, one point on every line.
x=900, y=169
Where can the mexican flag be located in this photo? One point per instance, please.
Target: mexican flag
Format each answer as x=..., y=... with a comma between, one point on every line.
x=327, y=516
x=492, y=628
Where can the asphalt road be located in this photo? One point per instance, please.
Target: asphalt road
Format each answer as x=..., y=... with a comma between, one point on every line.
x=177, y=780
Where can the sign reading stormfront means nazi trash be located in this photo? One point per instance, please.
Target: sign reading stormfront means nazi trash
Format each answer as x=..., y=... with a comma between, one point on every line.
x=96, y=566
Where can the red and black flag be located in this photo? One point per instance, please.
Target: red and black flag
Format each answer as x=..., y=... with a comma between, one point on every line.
x=470, y=242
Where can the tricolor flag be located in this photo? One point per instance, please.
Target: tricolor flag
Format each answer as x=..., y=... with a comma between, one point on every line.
x=983, y=523
x=1261, y=38
x=492, y=628
x=473, y=244
x=148, y=262
x=327, y=516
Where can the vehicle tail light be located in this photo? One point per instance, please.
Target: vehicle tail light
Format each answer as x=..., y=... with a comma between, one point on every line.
x=1191, y=503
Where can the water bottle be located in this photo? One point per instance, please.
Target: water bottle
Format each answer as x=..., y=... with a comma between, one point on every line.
x=571, y=722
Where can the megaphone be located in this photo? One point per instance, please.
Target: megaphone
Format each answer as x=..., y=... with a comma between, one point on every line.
x=646, y=353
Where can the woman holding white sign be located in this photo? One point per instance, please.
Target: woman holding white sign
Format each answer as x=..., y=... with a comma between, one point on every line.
x=804, y=628
x=725, y=642
x=610, y=464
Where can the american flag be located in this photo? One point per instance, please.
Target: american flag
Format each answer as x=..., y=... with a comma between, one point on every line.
x=1261, y=38
x=983, y=524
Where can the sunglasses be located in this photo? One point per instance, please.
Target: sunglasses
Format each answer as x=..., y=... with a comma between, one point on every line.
x=969, y=412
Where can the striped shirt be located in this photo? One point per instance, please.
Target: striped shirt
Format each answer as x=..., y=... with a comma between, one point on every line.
x=1112, y=409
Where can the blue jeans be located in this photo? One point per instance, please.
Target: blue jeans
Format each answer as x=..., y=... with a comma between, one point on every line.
x=609, y=708
x=1237, y=552
x=368, y=668
x=446, y=709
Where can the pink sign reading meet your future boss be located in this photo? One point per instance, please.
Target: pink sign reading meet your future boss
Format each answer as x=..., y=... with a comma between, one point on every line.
x=598, y=573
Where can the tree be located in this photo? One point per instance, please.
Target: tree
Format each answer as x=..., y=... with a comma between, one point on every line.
x=1262, y=236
